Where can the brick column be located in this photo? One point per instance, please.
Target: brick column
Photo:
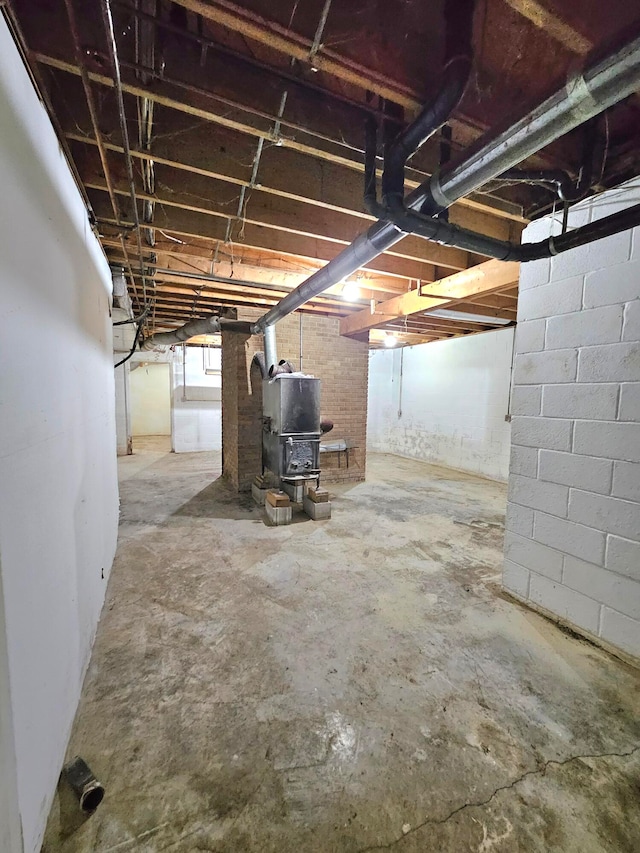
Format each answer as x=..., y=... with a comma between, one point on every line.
x=241, y=413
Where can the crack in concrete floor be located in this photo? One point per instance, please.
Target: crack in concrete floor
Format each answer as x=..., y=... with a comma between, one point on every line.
x=506, y=787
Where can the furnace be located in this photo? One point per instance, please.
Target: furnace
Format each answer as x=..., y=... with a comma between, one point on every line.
x=291, y=427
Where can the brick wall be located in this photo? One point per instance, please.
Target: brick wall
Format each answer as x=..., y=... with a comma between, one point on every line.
x=573, y=519
x=340, y=363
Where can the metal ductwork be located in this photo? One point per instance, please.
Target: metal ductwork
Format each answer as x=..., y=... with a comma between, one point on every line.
x=585, y=95
x=205, y=326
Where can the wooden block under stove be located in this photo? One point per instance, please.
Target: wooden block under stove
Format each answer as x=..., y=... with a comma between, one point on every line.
x=277, y=498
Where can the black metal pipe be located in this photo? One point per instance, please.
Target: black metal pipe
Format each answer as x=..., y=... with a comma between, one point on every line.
x=607, y=227
x=430, y=119
x=84, y=784
x=439, y=231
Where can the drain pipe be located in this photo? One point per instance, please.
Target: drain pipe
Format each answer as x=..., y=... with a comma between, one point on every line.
x=584, y=96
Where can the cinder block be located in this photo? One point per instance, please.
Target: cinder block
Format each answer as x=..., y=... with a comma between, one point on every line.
x=570, y=469
x=585, y=328
x=568, y=604
x=631, y=329
x=524, y=461
x=621, y=593
x=612, y=286
x=516, y=579
x=620, y=630
x=569, y=537
x=626, y=481
x=615, y=200
x=519, y=519
x=549, y=300
x=530, y=336
x=542, y=368
x=316, y=511
x=549, y=433
x=611, y=440
x=295, y=491
x=532, y=555
x=278, y=514
x=526, y=400
x=598, y=255
x=611, y=515
x=629, y=409
x=534, y=273
x=259, y=495
x=593, y=402
x=623, y=557
x=537, y=494
x=610, y=363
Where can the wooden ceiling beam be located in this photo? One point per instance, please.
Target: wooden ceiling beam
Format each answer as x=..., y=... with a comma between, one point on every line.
x=235, y=297
x=198, y=105
x=287, y=174
x=485, y=278
x=291, y=219
x=252, y=26
x=553, y=25
x=263, y=267
x=186, y=225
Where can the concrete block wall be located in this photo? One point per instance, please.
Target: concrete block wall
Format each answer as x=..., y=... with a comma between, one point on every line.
x=341, y=364
x=572, y=543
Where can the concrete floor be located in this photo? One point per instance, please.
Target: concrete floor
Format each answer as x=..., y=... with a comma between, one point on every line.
x=351, y=685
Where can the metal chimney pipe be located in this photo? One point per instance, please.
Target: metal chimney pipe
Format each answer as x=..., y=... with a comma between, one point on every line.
x=270, y=348
x=584, y=96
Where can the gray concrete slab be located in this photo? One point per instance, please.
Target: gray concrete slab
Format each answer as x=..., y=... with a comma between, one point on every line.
x=355, y=686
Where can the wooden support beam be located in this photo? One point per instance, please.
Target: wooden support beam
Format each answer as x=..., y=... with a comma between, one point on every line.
x=246, y=265
x=290, y=175
x=187, y=225
x=290, y=217
x=252, y=26
x=198, y=104
x=553, y=25
x=485, y=278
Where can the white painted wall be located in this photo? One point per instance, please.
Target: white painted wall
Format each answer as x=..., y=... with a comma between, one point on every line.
x=150, y=395
x=58, y=486
x=449, y=406
x=123, y=409
x=10, y=829
x=197, y=400
x=573, y=520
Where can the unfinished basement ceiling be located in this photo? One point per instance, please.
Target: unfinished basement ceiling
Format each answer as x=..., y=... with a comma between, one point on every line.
x=246, y=127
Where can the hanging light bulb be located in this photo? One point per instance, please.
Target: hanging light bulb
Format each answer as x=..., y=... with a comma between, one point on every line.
x=390, y=340
x=350, y=291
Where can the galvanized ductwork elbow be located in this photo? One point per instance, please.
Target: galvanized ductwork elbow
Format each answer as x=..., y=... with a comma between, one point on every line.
x=205, y=326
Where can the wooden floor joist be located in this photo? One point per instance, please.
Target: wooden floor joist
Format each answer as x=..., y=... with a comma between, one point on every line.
x=487, y=278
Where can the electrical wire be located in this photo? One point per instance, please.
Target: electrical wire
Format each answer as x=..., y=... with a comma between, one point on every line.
x=133, y=319
x=133, y=348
